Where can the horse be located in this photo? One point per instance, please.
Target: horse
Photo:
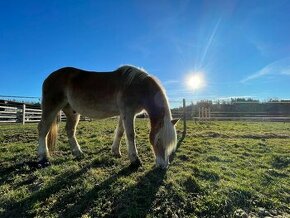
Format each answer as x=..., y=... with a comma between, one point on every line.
x=124, y=92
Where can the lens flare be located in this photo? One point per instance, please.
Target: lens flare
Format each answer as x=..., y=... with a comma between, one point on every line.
x=195, y=81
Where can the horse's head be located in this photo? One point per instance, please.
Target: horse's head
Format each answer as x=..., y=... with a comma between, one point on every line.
x=163, y=139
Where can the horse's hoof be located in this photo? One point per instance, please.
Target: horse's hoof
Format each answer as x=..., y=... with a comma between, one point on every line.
x=117, y=155
x=80, y=156
x=160, y=167
x=43, y=163
x=136, y=164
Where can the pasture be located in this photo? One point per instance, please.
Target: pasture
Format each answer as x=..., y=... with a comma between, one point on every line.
x=220, y=169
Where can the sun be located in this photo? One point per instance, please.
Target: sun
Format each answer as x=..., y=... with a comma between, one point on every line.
x=195, y=81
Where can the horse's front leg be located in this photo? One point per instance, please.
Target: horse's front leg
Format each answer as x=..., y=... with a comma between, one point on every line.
x=128, y=121
x=118, y=135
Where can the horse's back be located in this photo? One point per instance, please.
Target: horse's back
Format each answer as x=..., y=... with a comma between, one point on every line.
x=89, y=93
x=99, y=94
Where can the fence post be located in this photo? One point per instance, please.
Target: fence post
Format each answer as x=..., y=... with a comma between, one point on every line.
x=192, y=111
x=209, y=115
x=184, y=120
x=199, y=113
x=23, y=114
x=60, y=113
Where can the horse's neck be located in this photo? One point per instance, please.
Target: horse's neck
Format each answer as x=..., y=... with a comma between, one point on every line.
x=155, y=102
x=158, y=111
x=158, y=116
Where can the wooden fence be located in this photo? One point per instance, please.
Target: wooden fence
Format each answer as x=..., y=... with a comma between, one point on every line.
x=8, y=114
x=206, y=114
x=25, y=114
x=19, y=114
x=30, y=115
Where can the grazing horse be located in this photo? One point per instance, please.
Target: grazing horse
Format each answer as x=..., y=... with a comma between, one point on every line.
x=123, y=92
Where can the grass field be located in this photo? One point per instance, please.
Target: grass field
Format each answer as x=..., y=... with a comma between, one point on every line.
x=220, y=169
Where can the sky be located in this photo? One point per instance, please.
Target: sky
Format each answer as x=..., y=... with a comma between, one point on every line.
x=241, y=48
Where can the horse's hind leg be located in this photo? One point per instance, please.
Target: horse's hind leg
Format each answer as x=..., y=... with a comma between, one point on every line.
x=48, y=117
x=43, y=130
x=118, y=135
x=72, y=120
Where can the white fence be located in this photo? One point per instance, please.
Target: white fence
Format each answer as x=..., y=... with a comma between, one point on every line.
x=15, y=112
x=255, y=111
x=19, y=114
x=30, y=115
x=25, y=114
x=8, y=114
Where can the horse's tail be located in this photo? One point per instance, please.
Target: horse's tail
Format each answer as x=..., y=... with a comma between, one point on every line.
x=52, y=136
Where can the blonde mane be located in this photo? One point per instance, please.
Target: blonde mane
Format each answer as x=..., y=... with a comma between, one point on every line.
x=132, y=74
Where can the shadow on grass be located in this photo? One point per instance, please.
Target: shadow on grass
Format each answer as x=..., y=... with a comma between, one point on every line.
x=86, y=201
x=133, y=201
x=172, y=156
x=69, y=205
x=280, y=161
x=136, y=201
x=21, y=208
x=26, y=167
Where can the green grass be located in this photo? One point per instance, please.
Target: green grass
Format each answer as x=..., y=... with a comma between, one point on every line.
x=220, y=169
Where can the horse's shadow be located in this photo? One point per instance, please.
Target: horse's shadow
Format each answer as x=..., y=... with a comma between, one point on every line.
x=21, y=208
x=136, y=200
x=150, y=181
x=25, y=167
x=131, y=202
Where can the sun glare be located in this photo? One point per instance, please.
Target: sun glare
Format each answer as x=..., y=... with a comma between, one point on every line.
x=195, y=81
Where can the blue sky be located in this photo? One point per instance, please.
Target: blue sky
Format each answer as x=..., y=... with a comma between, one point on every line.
x=241, y=47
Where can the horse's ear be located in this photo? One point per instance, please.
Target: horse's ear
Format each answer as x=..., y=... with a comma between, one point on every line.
x=174, y=121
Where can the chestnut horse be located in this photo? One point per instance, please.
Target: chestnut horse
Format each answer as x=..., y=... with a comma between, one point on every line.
x=123, y=92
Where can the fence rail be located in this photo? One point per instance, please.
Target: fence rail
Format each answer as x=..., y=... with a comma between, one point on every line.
x=206, y=114
x=8, y=114
x=25, y=114
x=20, y=112
x=16, y=112
x=30, y=115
